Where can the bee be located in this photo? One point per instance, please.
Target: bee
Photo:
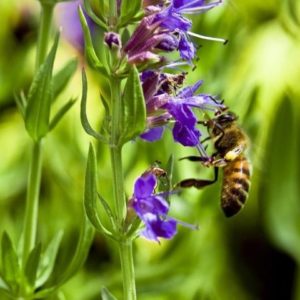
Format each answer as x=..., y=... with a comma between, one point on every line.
x=230, y=143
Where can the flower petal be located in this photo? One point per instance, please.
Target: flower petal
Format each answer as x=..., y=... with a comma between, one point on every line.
x=153, y=134
x=187, y=136
x=144, y=186
x=153, y=205
x=156, y=227
x=186, y=48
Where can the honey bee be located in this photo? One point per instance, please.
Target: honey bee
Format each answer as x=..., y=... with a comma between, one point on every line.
x=230, y=143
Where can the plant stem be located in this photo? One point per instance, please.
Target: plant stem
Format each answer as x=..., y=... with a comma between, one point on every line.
x=127, y=265
x=34, y=176
x=116, y=153
x=112, y=20
x=125, y=243
x=44, y=33
x=32, y=199
x=118, y=184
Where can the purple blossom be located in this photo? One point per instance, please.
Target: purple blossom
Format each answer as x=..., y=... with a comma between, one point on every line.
x=152, y=209
x=163, y=107
x=166, y=29
x=112, y=40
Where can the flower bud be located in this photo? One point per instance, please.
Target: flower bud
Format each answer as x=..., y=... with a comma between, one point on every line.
x=112, y=40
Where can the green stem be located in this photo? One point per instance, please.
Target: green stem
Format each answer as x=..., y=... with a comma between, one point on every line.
x=113, y=15
x=44, y=33
x=125, y=243
x=118, y=185
x=34, y=177
x=32, y=200
x=116, y=152
x=127, y=265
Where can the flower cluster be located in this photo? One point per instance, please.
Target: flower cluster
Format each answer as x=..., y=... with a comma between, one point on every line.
x=163, y=29
x=164, y=106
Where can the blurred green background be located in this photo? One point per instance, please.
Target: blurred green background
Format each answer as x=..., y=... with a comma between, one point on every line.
x=255, y=255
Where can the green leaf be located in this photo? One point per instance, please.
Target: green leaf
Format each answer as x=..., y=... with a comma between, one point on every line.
x=21, y=102
x=60, y=277
x=81, y=252
x=63, y=110
x=48, y=260
x=108, y=211
x=91, y=55
x=40, y=97
x=91, y=194
x=63, y=76
x=11, y=271
x=98, y=20
x=106, y=295
x=83, y=116
x=280, y=191
x=129, y=8
x=133, y=108
x=32, y=264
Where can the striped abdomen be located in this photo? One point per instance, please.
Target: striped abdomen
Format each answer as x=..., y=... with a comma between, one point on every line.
x=236, y=182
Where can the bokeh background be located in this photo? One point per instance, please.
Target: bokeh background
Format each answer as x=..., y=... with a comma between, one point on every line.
x=256, y=254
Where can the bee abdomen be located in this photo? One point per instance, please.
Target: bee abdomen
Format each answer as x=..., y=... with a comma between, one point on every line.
x=236, y=183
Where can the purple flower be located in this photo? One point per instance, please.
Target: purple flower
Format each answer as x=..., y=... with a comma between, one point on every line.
x=165, y=29
x=163, y=107
x=112, y=40
x=152, y=209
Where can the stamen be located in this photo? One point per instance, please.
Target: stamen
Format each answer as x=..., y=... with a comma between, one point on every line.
x=174, y=65
x=208, y=38
x=166, y=194
x=200, y=147
x=190, y=226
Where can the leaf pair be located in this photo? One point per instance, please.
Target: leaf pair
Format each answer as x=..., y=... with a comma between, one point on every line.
x=40, y=271
x=45, y=88
x=91, y=197
x=133, y=110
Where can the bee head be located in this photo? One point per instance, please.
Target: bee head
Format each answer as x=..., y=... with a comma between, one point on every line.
x=226, y=119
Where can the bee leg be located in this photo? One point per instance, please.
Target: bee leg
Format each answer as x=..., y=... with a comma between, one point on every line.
x=195, y=158
x=198, y=183
x=206, y=139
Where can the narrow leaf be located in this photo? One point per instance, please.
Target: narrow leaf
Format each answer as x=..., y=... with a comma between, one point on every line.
x=129, y=8
x=21, y=103
x=63, y=76
x=63, y=110
x=48, y=259
x=98, y=20
x=40, y=97
x=106, y=295
x=280, y=189
x=10, y=263
x=90, y=192
x=32, y=265
x=81, y=252
x=83, y=116
x=108, y=211
x=134, y=110
x=91, y=55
